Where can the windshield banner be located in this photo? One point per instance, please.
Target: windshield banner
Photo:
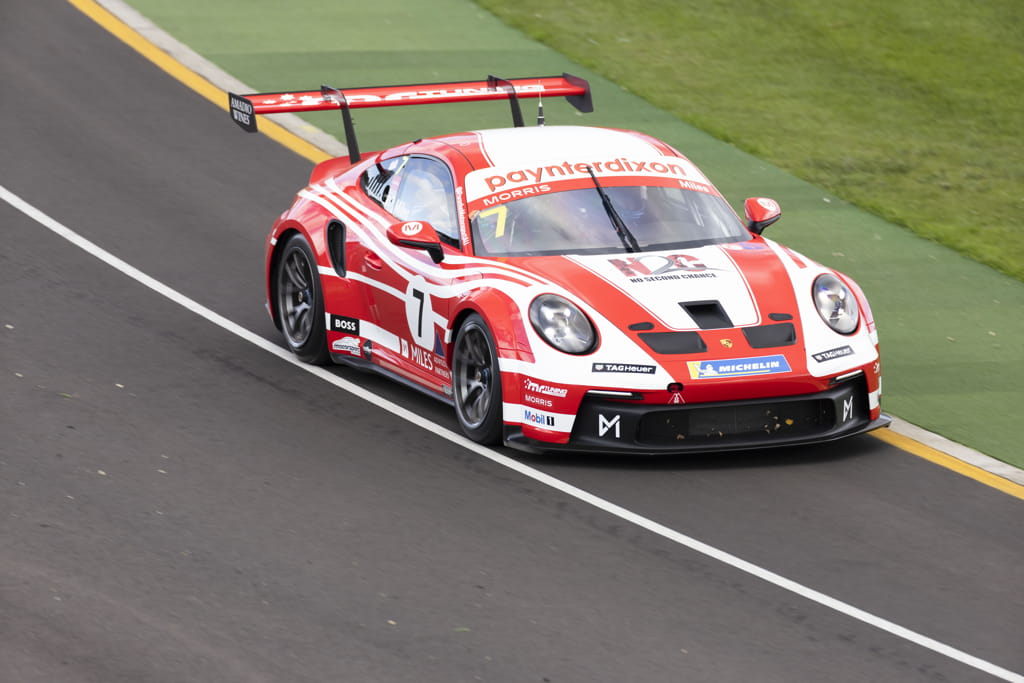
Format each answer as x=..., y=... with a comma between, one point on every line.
x=505, y=184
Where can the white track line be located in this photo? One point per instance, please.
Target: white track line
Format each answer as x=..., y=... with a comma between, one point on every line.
x=459, y=440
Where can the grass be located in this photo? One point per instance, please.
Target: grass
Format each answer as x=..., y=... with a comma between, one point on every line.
x=911, y=109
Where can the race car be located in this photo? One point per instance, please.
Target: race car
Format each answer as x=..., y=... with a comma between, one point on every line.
x=564, y=287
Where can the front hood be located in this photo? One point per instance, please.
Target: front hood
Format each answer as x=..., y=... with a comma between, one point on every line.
x=672, y=316
x=745, y=279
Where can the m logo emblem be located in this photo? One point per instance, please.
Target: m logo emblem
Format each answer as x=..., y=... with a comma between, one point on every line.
x=605, y=424
x=847, y=408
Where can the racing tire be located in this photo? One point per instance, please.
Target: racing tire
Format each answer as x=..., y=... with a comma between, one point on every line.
x=300, y=302
x=476, y=381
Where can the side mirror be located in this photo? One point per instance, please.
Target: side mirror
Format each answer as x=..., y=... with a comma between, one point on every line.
x=417, y=235
x=761, y=212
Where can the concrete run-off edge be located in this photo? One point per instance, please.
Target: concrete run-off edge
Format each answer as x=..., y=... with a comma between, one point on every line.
x=331, y=145
x=199, y=65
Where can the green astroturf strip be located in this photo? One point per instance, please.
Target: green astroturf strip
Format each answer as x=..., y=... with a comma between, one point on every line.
x=911, y=109
x=952, y=330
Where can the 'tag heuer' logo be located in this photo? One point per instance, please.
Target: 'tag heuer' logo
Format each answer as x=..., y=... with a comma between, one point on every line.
x=838, y=352
x=624, y=367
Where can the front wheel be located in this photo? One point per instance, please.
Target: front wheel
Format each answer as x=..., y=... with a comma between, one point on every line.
x=300, y=302
x=477, y=382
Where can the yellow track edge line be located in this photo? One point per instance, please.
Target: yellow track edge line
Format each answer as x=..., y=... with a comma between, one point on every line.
x=919, y=449
x=314, y=154
x=133, y=39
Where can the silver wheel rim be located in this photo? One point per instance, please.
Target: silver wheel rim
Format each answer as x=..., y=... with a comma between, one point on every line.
x=295, y=292
x=474, y=376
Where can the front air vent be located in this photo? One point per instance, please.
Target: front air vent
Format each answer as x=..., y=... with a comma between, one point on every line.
x=709, y=315
x=668, y=343
x=770, y=336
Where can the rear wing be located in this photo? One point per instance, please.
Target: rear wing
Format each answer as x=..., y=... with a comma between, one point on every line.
x=244, y=108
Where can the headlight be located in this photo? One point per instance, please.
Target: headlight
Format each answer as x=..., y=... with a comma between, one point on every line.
x=836, y=304
x=562, y=324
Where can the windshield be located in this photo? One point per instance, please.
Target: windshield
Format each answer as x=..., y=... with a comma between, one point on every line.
x=575, y=221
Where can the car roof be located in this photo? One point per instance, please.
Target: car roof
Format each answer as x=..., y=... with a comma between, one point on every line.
x=504, y=147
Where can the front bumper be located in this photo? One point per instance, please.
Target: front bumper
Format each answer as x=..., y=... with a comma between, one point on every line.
x=609, y=426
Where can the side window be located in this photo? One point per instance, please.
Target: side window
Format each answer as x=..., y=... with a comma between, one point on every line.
x=421, y=189
x=377, y=180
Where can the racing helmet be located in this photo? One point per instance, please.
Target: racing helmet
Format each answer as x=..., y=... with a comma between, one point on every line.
x=630, y=201
x=423, y=197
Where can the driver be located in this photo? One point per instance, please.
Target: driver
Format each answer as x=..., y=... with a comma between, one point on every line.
x=422, y=197
x=630, y=202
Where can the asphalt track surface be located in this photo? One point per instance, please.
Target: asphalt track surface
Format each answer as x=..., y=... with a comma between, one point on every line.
x=177, y=503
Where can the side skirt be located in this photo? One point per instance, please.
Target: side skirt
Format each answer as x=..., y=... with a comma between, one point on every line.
x=371, y=367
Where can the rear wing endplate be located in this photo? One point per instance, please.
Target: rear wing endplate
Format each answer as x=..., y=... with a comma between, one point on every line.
x=244, y=108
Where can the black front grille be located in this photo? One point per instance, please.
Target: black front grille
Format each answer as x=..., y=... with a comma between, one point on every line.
x=608, y=425
x=715, y=423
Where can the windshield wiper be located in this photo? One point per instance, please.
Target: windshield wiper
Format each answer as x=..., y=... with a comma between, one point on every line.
x=628, y=241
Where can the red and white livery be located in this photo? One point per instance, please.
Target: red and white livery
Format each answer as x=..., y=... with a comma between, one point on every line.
x=564, y=287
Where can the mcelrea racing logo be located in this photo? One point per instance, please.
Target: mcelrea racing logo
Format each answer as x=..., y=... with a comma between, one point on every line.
x=545, y=389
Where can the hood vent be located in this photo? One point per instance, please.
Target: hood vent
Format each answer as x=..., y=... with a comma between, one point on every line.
x=709, y=315
x=769, y=336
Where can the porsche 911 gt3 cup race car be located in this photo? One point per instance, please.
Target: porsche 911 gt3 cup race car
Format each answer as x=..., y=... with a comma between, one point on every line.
x=564, y=287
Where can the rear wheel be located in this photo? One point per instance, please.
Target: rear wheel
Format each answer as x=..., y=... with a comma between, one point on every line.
x=300, y=302
x=476, y=381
